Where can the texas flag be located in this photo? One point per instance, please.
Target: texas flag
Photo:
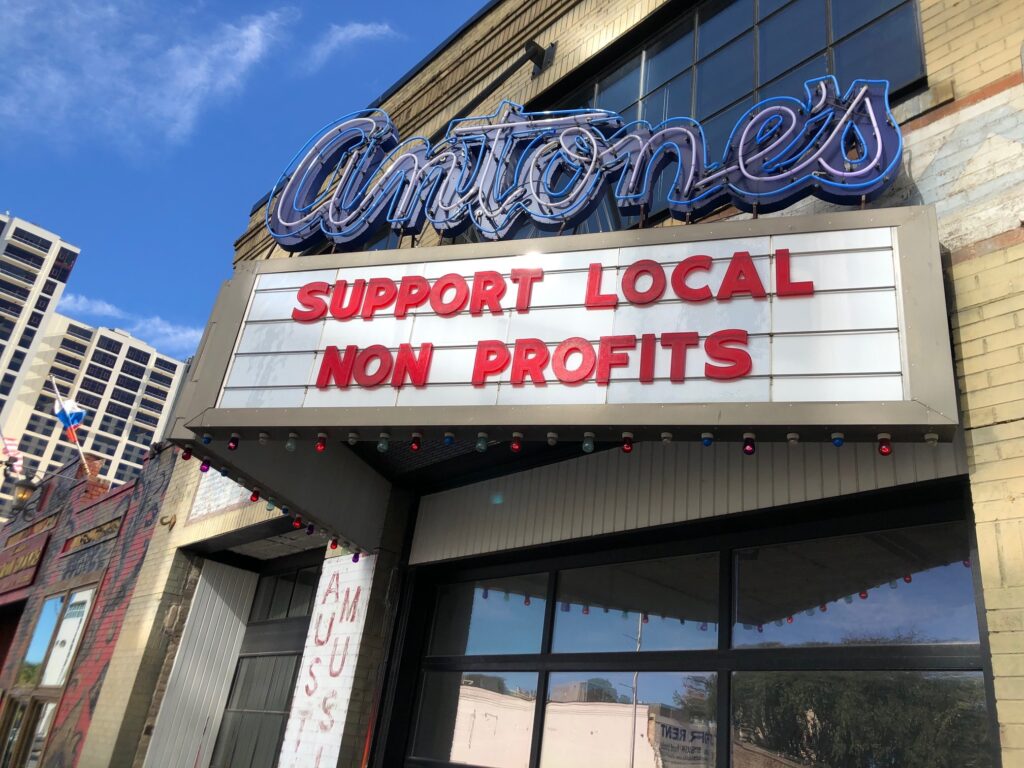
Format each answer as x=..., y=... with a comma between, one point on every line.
x=71, y=415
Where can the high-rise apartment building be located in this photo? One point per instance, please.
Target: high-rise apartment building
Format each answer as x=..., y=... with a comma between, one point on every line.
x=124, y=384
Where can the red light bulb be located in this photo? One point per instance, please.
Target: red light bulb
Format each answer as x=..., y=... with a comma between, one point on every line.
x=586, y=610
x=297, y=522
x=526, y=600
x=204, y=466
x=186, y=453
x=884, y=444
x=863, y=594
x=334, y=543
x=517, y=442
x=749, y=444
x=255, y=495
x=627, y=442
x=823, y=608
x=908, y=578
x=321, y=442
x=417, y=442
x=233, y=441
x=789, y=619
x=645, y=618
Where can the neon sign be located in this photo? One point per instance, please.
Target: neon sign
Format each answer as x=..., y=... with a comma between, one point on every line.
x=499, y=171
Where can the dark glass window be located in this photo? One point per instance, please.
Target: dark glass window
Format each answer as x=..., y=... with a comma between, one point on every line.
x=151, y=405
x=887, y=49
x=68, y=360
x=119, y=410
x=156, y=392
x=652, y=605
x=113, y=425
x=63, y=453
x=128, y=383
x=138, y=356
x=42, y=303
x=860, y=719
x=138, y=371
x=26, y=338
x=44, y=404
x=49, y=287
x=123, y=397
x=28, y=238
x=285, y=595
x=13, y=290
x=25, y=257
x=140, y=435
x=159, y=378
x=72, y=346
x=98, y=372
x=103, y=358
x=166, y=365
x=779, y=50
x=134, y=453
x=909, y=585
x=80, y=332
x=6, y=326
x=145, y=418
x=126, y=473
x=6, y=383
x=104, y=445
x=88, y=401
x=92, y=385
x=17, y=272
x=109, y=344
x=500, y=616
x=10, y=307
x=44, y=425
x=63, y=264
x=60, y=373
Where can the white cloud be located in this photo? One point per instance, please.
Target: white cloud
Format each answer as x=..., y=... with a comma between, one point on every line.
x=123, y=69
x=170, y=338
x=339, y=36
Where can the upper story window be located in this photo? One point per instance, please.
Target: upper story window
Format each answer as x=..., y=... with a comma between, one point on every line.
x=29, y=239
x=166, y=365
x=63, y=264
x=109, y=344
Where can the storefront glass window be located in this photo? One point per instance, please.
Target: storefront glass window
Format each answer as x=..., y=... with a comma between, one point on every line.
x=905, y=719
x=42, y=729
x=598, y=718
x=31, y=668
x=480, y=718
x=910, y=585
x=15, y=721
x=487, y=617
x=653, y=605
x=285, y=595
x=68, y=635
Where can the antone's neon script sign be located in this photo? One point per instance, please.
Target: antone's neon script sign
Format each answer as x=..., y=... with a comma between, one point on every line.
x=497, y=172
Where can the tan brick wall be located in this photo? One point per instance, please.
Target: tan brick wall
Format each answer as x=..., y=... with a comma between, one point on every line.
x=988, y=333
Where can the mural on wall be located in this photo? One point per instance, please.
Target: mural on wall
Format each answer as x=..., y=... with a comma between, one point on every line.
x=90, y=534
x=323, y=689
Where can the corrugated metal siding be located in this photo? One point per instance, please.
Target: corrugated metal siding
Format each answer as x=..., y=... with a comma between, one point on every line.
x=659, y=484
x=197, y=690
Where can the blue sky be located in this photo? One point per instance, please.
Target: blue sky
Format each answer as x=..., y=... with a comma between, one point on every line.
x=143, y=132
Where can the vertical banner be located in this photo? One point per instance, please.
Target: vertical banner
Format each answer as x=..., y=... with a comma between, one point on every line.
x=324, y=687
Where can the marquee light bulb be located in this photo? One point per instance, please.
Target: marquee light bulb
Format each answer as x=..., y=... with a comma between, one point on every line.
x=627, y=442
x=270, y=505
x=186, y=453
x=907, y=579
x=707, y=439
x=838, y=439
x=291, y=443
x=206, y=439
x=233, y=441
x=517, y=442
x=789, y=619
x=321, y=442
x=310, y=529
x=526, y=601
x=355, y=556
x=588, y=442
x=481, y=442
x=749, y=443
x=223, y=471
x=416, y=443
x=448, y=440
x=383, y=442
x=204, y=465
x=666, y=437
x=255, y=495
x=263, y=438
x=297, y=522
x=931, y=438
x=353, y=438
x=884, y=444
x=284, y=510
x=863, y=594
x=793, y=438
x=552, y=439
x=334, y=543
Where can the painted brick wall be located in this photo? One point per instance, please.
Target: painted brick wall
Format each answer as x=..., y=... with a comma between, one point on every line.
x=112, y=565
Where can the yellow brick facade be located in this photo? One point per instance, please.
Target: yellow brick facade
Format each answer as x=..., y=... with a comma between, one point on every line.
x=973, y=59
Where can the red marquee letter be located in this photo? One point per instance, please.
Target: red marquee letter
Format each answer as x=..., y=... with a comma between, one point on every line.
x=784, y=285
x=525, y=278
x=492, y=358
x=595, y=299
x=310, y=297
x=528, y=360
x=409, y=365
x=739, y=363
x=741, y=277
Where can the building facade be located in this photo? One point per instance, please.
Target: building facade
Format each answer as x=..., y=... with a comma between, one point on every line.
x=665, y=410
x=125, y=385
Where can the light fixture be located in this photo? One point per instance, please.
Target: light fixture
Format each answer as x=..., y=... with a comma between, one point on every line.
x=884, y=444
x=383, y=442
x=233, y=441
x=749, y=443
x=204, y=465
x=270, y=505
x=666, y=437
x=355, y=556
x=284, y=510
x=297, y=522
x=588, y=442
x=321, y=442
x=481, y=442
x=863, y=594
x=23, y=490
x=627, y=442
x=310, y=529
x=263, y=438
x=932, y=438
x=334, y=542
x=186, y=453
x=223, y=471
x=707, y=439
x=353, y=438
x=416, y=443
x=206, y=439
x=448, y=440
x=255, y=495
x=793, y=438
x=517, y=442
x=291, y=443
x=838, y=438
x=552, y=439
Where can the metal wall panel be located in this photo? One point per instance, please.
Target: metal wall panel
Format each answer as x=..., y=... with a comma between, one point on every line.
x=197, y=690
x=659, y=484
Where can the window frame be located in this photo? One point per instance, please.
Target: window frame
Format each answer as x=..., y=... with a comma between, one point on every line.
x=918, y=505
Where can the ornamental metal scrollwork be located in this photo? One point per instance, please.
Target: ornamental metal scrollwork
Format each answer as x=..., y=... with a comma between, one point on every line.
x=499, y=171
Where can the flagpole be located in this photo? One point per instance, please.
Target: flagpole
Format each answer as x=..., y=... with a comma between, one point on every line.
x=74, y=435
